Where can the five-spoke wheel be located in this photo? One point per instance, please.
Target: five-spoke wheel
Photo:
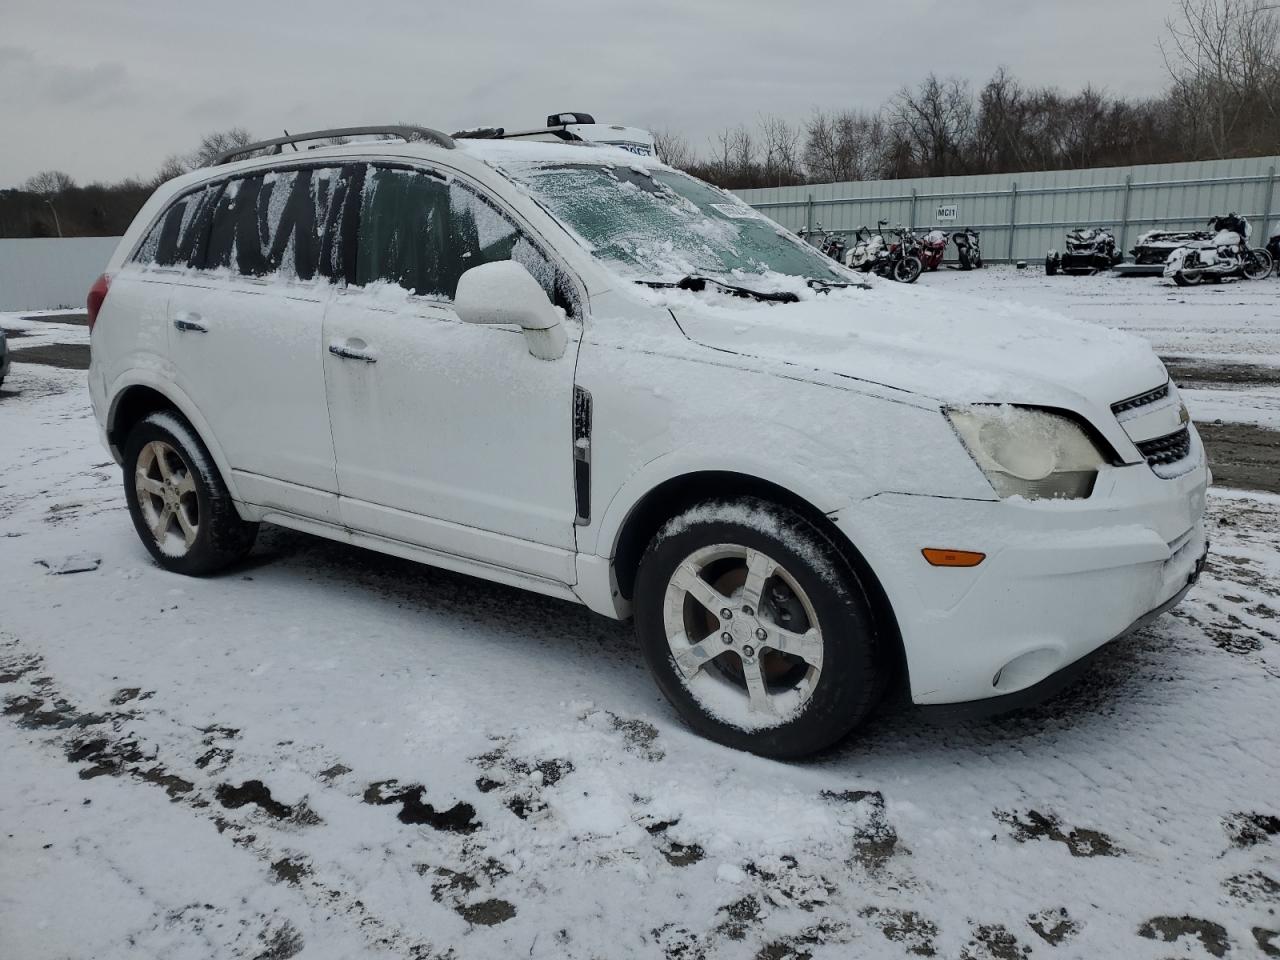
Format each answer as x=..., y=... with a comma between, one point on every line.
x=167, y=497
x=757, y=629
x=180, y=505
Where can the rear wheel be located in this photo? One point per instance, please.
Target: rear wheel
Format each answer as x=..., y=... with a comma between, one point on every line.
x=1188, y=278
x=756, y=630
x=1051, y=266
x=180, y=507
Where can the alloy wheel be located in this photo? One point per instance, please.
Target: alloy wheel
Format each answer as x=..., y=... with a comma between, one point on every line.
x=167, y=497
x=743, y=635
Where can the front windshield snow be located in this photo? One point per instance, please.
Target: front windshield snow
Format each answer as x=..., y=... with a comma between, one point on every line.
x=662, y=225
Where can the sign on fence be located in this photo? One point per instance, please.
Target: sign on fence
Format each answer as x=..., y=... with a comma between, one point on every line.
x=947, y=214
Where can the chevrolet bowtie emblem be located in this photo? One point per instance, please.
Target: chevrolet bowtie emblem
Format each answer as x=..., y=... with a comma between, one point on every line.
x=1184, y=416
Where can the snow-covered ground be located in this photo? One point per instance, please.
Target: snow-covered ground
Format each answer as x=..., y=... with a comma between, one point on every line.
x=329, y=753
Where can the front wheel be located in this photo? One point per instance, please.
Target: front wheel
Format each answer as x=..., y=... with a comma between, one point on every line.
x=907, y=270
x=180, y=506
x=756, y=630
x=1257, y=265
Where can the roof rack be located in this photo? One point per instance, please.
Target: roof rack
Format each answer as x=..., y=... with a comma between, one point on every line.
x=556, y=124
x=404, y=132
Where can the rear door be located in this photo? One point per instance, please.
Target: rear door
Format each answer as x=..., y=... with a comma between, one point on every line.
x=245, y=332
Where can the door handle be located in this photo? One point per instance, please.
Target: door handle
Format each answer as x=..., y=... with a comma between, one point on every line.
x=351, y=353
x=190, y=322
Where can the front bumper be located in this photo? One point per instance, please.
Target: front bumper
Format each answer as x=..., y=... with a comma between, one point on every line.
x=1056, y=682
x=1060, y=579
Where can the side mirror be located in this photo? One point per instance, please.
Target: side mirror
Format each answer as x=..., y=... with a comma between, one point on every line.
x=505, y=292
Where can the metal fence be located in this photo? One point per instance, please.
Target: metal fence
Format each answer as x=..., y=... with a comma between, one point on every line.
x=45, y=274
x=1022, y=215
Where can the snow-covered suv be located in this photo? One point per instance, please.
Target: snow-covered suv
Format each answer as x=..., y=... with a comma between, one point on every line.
x=582, y=372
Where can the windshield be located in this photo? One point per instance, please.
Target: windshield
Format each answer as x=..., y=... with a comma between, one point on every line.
x=663, y=225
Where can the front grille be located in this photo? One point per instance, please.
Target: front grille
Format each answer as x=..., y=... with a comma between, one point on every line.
x=1170, y=448
x=1141, y=400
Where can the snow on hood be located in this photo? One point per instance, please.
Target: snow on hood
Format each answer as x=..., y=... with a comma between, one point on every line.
x=957, y=348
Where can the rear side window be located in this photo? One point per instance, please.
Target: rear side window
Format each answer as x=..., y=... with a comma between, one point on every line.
x=422, y=232
x=177, y=238
x=286, y=223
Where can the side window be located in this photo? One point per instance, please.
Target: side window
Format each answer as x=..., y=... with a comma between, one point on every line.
x=423, y=233
x=177, y=237
x=286, y=223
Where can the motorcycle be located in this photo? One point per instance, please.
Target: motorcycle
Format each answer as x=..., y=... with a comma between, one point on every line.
x=1273, y=248
x=867, y=248
x=1089, y=249
x=968, y=248
x=1226, y=255
x=933, y=247
x=831, y=244
x=874, y=253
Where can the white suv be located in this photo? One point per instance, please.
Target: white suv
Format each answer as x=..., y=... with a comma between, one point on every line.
x=578, y=371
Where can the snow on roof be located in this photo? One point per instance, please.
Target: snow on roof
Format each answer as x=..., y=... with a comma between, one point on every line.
x=499, y=152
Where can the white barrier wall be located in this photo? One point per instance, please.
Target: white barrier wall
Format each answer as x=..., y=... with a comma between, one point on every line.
x=1022, y=215
x=47, y=274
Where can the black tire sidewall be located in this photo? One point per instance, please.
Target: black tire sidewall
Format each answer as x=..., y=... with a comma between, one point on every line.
x=852, y=672
x=203, y=557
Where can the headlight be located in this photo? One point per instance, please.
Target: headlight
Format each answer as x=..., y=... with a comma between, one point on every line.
x=1029, y=453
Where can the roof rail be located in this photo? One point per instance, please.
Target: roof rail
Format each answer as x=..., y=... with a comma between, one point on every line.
x=406, y=133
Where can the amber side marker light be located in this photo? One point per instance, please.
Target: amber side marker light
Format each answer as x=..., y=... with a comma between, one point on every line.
x=952, y=558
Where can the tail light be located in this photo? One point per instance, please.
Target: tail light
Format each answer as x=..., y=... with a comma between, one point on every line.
x=97, y=294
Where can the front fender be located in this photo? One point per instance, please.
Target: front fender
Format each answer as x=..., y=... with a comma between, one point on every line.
x=814, y=487
x=1176, y=261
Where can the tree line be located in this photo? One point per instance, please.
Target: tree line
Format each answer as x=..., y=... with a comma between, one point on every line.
x=1222, y=100
x=52, y=204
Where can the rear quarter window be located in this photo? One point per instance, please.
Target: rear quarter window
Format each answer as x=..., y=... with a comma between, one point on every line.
x=177, y=238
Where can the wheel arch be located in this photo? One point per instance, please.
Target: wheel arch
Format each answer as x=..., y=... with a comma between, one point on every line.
x=676, y=494
x=133, y=400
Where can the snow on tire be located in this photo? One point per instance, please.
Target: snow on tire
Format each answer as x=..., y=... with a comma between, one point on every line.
x=180, y=506
x=755, y=628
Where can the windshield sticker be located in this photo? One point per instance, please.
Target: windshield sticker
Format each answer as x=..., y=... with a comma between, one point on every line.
x=736, y=212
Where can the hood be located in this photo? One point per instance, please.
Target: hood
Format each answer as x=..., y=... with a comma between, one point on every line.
x=953, y=348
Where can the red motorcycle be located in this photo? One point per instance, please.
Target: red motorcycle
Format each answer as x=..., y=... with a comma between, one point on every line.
x=932, y=248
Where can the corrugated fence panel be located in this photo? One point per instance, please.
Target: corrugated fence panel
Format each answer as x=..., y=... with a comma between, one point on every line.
x=1042, y=206
x=44, y=274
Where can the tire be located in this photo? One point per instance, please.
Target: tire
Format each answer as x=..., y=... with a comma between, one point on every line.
x=907, y=270
x=805, y=707
x=172, y=484
x=1050, y=267
x=1257, y=265
x=1191, y=278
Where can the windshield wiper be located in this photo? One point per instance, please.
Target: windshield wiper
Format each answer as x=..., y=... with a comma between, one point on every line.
x=697, y=284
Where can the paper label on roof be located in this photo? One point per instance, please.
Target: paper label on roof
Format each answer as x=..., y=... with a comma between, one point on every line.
x=736, y=212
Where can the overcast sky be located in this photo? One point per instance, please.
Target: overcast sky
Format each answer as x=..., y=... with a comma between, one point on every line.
x=105, y=90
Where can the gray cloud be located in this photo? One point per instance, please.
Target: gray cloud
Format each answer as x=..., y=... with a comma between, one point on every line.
x=108, y=90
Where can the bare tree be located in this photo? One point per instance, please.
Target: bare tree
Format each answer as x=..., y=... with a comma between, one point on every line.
x=49, y=183
x=1223, y=58
x=673, y=149
x=782, y=165
x=211, y=145
x=935, y=121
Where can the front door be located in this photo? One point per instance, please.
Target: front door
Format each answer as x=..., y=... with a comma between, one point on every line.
x=448, y=435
